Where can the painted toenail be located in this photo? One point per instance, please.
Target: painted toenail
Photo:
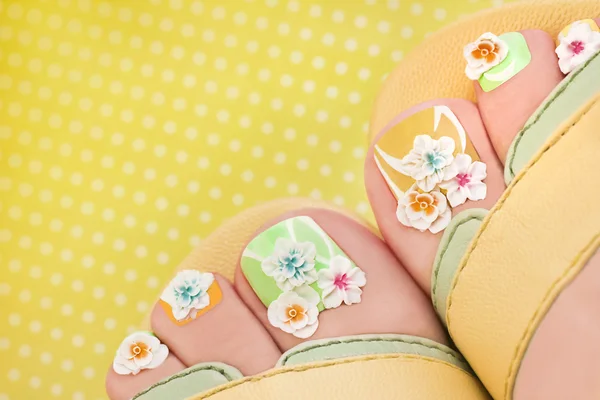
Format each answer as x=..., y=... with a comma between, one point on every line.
x=297, y=271
x=139, y=351
x=432, y=170
x=190, y=294
x=577, y=43
x=494, y=60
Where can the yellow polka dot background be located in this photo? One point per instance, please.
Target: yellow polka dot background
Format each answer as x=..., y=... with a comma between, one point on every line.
x=130, y=129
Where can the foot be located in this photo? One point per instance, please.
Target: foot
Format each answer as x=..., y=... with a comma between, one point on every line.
x=505, y=101
x=249, y=324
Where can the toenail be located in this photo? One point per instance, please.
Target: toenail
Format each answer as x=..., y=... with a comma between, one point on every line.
x=493, y=60
x=190, y=294
x=577, y=43
x=298, y=271
x=139, y=351
x=426, y=171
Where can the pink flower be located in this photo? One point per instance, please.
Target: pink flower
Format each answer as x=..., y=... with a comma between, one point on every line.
x=467, y=184
x=578, y=46
x=341, y=282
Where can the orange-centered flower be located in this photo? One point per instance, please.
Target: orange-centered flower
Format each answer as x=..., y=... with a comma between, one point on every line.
x=486, y=49
x=138, y=350
x=422, y=202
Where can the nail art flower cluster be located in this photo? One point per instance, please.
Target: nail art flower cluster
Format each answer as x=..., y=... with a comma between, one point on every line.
x=292, y=265
x=484, y=54
x=187, y=293
x=577, y=46
x=440, y=178
x=139, y=351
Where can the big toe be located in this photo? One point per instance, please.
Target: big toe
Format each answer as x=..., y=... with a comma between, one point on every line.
x=405, y=163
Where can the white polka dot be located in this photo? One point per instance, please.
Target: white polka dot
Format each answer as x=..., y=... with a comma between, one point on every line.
x=46, y=358
x=89, y=372
x=13, y=374
x=318, y=62
x=338, y=16
x=286, y=80
x=162, y=258
x=56, y=389
x=78, y=341
x=331, y=92
x=397, y=55
x=120, y=299
x=66, y=365
x=416, y=9
x=351, y=44
x=406, y=32
x=440, y=14
x=14, y=319
x=24, y=296
x=205, y=217
x=56, y=333
x=25, y=351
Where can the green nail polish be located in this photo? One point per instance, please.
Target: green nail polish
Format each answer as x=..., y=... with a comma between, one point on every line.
x=517, y=59
x=288, y=255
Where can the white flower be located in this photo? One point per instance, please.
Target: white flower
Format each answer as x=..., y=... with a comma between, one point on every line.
x=467, y=182
x=424, y=211
x=187, y=293
x=484, y=54
x=139, y=351
x=291, y=264
x=430, y=161
x=578, y=46
x=341, y=282
x=296, y=312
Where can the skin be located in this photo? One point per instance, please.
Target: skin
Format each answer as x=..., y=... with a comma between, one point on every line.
x=564, y=356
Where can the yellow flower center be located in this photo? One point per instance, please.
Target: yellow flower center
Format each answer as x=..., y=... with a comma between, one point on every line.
x=423, y=205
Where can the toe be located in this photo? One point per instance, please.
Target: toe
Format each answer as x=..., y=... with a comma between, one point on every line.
x=391, y=173
x=315, y=274
x=509, y=93
x=215, y=328
x=123, y=387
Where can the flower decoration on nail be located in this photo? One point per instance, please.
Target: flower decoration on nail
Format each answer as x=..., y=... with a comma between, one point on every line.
x=430, y=166
x=139, y=351
x=577, y=46
x=430, y=161
x=467, y=181
x=341, y=282
x=296, y=312
x=188, y=294
x=484, y=54
x=441, y=177
x=292, y=264
x=424, y=211
x=298, y=271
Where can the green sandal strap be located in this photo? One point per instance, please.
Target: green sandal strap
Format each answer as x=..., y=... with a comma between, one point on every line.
x=454, y=243
x=360, y=345
x=569, y=96
x=190, y=381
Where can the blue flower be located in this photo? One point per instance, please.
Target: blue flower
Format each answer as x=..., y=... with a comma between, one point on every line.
x=187, y=293
x=291, y=264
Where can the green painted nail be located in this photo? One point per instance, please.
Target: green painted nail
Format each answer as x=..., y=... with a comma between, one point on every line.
x=517, y=59
x=286, y=256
